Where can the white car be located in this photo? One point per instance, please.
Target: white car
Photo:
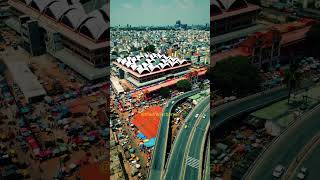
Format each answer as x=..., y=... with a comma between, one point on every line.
x=303, y=173
x=172, y=102
x=300, y=175
x=197, y=115
x=303, y=170
x=278, y=171
x=204, y=116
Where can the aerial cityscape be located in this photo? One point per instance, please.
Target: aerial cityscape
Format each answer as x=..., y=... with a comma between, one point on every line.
x=159, y=89
x=264, y=79
x=54, y=89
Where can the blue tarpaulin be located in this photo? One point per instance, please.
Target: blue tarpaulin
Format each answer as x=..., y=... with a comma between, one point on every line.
x=150, y=143
x=24, y=110
x=132, y=150
x=141, y=136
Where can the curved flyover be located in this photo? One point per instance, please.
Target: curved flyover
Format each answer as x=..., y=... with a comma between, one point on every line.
x=197, y=150
x=285, y=149
x=159, y=152
x=249, y=104
x=252, y=103
x=187, y=146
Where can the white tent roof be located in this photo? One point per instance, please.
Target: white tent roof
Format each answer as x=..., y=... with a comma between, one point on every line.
x=145, y=64
x=96, y=24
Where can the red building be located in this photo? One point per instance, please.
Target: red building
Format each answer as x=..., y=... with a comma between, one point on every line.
x=264, y=48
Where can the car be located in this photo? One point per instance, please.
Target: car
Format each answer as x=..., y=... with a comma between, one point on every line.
x=204, y=116
x=278, y=171
x=300, y=175
x=303, y=173
x=185, y=126
x=172, y=102
x=304, y=170
x=197, y=115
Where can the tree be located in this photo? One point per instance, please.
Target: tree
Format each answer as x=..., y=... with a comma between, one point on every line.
x=313, y=40
x=150, y=48
x=184, y=85
x=164, y=92
x=292, y=78
x=235, y=76
x=114, y=53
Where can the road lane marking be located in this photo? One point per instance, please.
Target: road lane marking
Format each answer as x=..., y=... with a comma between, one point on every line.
x=193, y=162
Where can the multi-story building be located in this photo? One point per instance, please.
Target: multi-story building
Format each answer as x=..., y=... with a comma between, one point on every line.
x=84, y=35
x=232, y=21
x=32, y=39
x=151, y=68
x=263, y=48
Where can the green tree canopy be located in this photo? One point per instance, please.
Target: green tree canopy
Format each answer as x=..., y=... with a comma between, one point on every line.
x=150, y=48
x=164, y=92
x=114, y=53
x=292, y=78
x=184, y=85
x=235, y=76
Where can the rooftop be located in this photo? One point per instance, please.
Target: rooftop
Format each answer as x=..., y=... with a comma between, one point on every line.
x=116, y=85
x=237, y=34
x=65, y=30
x=23, y=77
x=228, y=8
x=148, y=64
x=74, y=61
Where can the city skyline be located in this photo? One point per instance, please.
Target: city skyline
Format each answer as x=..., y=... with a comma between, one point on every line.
x=165, y=12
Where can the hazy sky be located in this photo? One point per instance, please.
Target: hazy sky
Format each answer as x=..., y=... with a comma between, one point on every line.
x=159, y=12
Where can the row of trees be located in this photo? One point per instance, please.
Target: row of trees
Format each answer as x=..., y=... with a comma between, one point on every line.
x=182, y=85
x=235, y=76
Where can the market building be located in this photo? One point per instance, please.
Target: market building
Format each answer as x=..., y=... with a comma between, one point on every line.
x=266, y=48
x=77, y=36
x=231, y=21
x=150, y=68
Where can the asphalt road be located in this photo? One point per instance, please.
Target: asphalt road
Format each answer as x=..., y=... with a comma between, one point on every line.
x=287, y=147
x=197, y=149
x=227, y=111
x=208, y=167
x=178, y=153
x=312, y=163
x=159, y=152
x=252, y=103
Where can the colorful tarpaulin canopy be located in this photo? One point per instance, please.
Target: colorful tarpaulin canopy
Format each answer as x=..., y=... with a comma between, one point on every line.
x=141, y=136
x=150, y=143
x=148, y=121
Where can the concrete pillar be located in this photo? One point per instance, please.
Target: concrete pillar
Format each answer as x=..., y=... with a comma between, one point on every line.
x=305, y=4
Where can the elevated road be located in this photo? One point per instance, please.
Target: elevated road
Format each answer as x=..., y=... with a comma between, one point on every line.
x=285, y=149
x=159, y=152
x=249, y=104
x=178, y=155
x=207, y=164
x=197, y=149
